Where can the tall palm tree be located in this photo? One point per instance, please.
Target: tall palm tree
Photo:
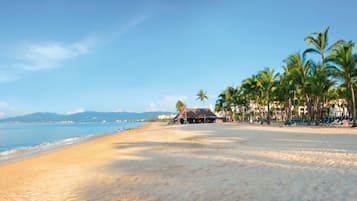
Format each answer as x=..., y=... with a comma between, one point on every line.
x=345, y=69
x=232, y=100
x=202, y=96
x=227, y=101
x=300, y=71
x=319, y=41
x=319, y=84
x=252, y=90
x=222, y=104
x=268, y=80
x=241, y=101
x=284, y=92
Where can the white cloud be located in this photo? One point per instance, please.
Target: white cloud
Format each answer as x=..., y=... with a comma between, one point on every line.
x=50, y=55
x=76, y=111
x=166, y=104
x=2, y=115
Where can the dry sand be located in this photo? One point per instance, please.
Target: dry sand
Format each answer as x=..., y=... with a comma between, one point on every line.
x=193, y=162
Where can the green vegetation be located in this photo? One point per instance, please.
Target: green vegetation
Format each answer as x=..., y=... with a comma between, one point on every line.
x=202, y=96
x=313, y=83
x=180, y=105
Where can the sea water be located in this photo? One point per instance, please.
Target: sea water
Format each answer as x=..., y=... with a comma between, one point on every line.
x=19, y=140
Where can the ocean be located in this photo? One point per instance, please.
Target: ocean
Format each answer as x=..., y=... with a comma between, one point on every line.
x=19, y=140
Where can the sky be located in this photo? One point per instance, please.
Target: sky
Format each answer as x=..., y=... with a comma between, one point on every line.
x=69, y=56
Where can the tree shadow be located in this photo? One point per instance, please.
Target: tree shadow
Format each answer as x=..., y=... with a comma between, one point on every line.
x=216, y=161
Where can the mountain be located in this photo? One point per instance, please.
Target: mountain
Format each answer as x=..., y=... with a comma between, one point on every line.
x=84, y=117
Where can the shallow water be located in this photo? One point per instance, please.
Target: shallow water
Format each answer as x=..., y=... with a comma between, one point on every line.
x=25, y=139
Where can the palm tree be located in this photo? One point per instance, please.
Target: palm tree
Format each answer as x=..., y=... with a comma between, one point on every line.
x=241, y=101
x=284, y=92
x=202, y=96
x=232, y=99
x=222, y=104
x=180, y=106
x=268, y=80
x=320, y=46
x=251, y=88
x=319, y=41
x=345, y=69
x=319, y=84
x=299, y=72
x=229, y=100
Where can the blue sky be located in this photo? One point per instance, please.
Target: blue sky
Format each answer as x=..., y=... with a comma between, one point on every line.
x=71, y=56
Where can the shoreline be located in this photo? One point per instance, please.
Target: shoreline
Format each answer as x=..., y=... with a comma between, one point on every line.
x=257, y=127
x=22, y=152
x=31, y=151
x=25, y=171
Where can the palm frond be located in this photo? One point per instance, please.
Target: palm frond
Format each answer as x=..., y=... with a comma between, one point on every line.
x=311, y=50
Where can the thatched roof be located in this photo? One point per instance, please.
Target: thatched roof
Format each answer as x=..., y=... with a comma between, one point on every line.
x=195, y=113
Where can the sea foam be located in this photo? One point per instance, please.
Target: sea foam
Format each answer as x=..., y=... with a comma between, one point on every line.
x=26, y=151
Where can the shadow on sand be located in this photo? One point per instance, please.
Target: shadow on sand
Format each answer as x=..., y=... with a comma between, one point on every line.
x=224, y=163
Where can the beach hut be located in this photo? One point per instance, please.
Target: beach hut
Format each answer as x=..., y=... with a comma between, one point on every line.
x=195, y=115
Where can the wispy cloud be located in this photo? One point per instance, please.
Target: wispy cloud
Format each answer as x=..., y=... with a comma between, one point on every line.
x=51, y=54
x=48, y=55
x=122, y=29
x=168, y=103
x=132, y=23
x=76, y=111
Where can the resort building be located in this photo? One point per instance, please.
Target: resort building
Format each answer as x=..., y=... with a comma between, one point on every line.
x=166, y=117
x=195, y=115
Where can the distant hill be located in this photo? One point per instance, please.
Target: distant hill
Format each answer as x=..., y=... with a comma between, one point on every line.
x=84, y=117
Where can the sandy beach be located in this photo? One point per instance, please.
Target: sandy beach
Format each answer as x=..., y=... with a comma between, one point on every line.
x=193, y=162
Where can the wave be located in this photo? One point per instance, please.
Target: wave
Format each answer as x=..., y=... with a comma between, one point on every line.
x=26, y=151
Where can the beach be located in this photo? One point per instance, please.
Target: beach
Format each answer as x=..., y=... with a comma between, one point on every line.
x=193, y=162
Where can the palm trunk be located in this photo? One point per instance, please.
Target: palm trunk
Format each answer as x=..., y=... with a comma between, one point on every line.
x=296, y=108
x=268, y=118
x=309, y=110
x=232, y=116
x=257, y=105
x=289, y=109
x=353, y=104
x=324, y=110
x=294, y=104
x=318, y=111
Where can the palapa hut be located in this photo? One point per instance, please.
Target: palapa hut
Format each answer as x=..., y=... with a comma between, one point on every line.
x=195, y=115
